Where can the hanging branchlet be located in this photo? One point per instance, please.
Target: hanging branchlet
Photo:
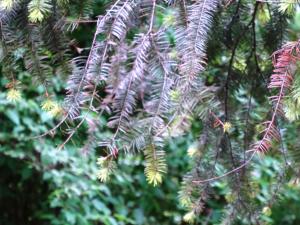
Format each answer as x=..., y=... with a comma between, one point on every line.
x=38, y=9
x=107, y=167
x=8, y=5
x=192, y=40
x=288, y=6
x=125, y=98
x=281, y=80
x=13, y=93
x=155, y=164
x=96, y=69
x=157, y=104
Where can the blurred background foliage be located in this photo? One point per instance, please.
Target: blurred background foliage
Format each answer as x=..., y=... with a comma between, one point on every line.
x=42, y=185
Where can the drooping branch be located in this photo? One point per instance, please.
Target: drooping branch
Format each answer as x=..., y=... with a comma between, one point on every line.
x=282, y=78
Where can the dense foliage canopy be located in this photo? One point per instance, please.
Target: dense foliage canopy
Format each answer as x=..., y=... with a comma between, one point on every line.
x=209, y=88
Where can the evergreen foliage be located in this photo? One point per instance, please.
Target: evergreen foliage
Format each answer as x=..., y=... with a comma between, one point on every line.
x=154, y=68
